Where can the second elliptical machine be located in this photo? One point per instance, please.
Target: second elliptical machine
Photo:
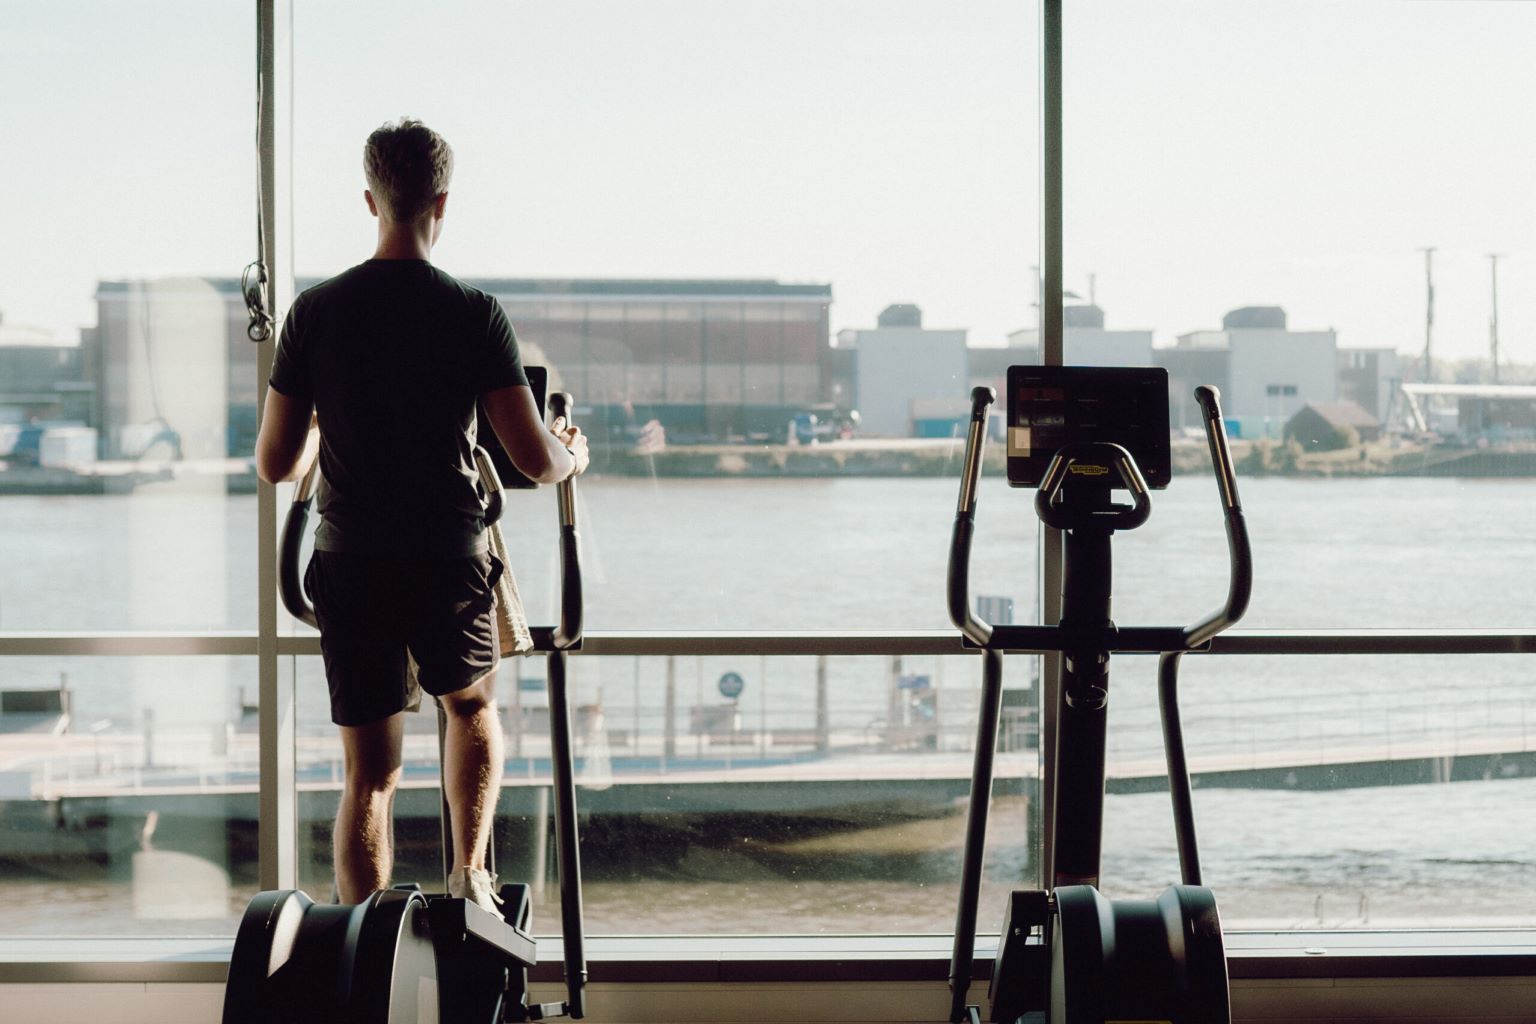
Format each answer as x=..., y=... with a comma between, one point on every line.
x=1067, y=954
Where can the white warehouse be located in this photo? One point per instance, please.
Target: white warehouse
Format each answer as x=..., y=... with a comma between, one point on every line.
x=907, y=373
x=1271, y=371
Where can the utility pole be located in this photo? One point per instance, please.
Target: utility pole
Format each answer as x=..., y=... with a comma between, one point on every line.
x=1429, y=309
x=1493, y=317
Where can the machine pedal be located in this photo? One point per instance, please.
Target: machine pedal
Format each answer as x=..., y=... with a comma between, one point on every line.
x=1021, y=975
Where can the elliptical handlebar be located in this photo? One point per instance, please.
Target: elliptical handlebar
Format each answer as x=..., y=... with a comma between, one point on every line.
x=568, y=633
x=1239, y=553
x=1119, y=517
x=976, y=629
x=289, y=585
x=1240, y=558
x=490, y=481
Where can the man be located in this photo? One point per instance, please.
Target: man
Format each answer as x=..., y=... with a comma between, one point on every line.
x=387, y=360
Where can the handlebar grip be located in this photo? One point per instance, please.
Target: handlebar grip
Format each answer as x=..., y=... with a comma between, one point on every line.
x=959, y=582
x=975, y=444
x=290, y=587
x=1209, y=398
x=568, y=633
x=1118, y=517
x=1239, y=552
x=959, y=575
x=491, y=481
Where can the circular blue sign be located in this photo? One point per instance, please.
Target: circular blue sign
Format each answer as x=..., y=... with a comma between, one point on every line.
x=731, y=685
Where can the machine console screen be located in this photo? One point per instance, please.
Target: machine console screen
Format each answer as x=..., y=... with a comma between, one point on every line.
x=511, y=477
x=1050, y=407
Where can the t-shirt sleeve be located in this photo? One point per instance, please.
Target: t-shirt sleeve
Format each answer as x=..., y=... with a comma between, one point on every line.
x=502, y=364
x=290, y=369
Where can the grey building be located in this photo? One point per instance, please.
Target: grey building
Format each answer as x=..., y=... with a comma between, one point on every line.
x=1271, y=371
x=40, y=379
x=1369, y=377
x=706, y=358
x=911, y=380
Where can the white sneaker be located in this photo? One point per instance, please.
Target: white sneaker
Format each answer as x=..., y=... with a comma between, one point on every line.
x=476, y=885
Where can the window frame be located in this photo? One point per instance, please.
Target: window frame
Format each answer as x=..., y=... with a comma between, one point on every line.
x=1257, y=959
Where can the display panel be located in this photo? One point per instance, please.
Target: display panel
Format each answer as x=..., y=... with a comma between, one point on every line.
x=511, y=476
x=1050, y=407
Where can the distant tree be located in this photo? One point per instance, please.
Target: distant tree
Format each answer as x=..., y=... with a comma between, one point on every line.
x=1290, y=456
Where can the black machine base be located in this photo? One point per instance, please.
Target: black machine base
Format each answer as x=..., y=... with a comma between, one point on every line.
x=399, y=957
x=1112, y=960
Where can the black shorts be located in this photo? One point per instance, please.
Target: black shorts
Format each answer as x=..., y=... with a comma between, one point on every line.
x=372, y=610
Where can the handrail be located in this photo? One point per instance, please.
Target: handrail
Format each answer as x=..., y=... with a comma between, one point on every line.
x=958, y=589
x=1117, y=639
x=568, y=634
x=1240, y=573
x=290, y=583
x=1118, y=517
x=787, y=643
x=490, y=482
x=565, y=637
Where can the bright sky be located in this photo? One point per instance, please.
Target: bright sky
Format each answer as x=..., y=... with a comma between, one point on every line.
x=1220, y=152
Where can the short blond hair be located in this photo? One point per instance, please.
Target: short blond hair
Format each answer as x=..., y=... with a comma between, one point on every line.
x=408, y=165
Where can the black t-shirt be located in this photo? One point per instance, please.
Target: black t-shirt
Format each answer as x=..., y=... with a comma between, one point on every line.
x=394, y=355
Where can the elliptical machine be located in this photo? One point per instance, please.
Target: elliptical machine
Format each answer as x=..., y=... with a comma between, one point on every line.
x=403, y=956
x=1068, y=955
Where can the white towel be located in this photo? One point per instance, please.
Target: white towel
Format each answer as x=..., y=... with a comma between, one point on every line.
x=512, y=630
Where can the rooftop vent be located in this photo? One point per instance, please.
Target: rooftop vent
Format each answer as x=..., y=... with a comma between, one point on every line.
x=1254, y=318
x=903, y=314
x=1083, y=316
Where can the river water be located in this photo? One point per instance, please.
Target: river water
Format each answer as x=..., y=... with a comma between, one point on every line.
x=869, y=554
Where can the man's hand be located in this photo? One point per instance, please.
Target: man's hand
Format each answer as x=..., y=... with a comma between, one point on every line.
x=574, y=440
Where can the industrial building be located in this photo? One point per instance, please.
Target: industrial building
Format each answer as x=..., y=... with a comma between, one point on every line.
x=707, y=359
x=911, y=380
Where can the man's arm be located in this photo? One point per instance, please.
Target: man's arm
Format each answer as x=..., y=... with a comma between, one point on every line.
x=288, y=440
x=544, y=456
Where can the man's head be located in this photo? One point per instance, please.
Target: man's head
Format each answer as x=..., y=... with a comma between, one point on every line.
x=408, y=166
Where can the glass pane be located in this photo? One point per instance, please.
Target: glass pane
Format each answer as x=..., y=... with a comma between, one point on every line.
x=890, y=536
x=1335, y=792
x=1265, y=231
x=127, y=409
x=682, y=214
x=130, y=785
x=827, y=796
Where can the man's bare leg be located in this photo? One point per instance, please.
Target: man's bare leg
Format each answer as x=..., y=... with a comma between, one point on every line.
x=472, y=768
x=363, y=841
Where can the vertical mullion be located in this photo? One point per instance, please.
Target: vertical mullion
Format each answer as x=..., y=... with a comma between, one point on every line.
x=277, y=799
x=1051, y=354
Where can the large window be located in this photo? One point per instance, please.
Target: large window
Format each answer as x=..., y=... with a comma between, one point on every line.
x=819, y=799
x=117, y=433
x=769, y=248
x=127, y=412
x=680, y=214
x=1250, y=191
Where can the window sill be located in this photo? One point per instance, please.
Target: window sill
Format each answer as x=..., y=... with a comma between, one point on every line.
x=1252, y=956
